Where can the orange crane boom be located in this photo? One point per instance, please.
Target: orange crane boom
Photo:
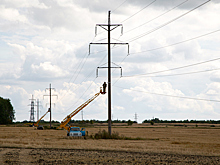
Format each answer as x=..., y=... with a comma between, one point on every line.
x=36, y=124
x=67, y=119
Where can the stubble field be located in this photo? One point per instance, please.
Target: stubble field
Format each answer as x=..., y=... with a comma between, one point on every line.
x=160, y=144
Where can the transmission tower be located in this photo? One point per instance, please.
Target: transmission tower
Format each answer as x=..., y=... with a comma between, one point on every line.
x=108, y=28
x=50, y=100
x=32, y=109
x=135, y=116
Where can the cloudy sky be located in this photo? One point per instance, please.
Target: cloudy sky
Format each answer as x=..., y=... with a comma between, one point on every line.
x=172, y=70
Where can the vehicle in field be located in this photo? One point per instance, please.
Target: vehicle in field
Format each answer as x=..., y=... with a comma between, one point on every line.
x=29, y=124
x=75, y=131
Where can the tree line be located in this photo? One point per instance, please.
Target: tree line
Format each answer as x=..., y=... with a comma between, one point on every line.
x=130, y=122
x=7, y=113
x=157, y=120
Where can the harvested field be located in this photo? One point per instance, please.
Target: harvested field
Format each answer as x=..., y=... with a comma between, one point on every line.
x=65, y=156
x=161, y=145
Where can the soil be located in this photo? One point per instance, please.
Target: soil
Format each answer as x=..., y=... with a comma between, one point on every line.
x=161, y=145
x=73, y=156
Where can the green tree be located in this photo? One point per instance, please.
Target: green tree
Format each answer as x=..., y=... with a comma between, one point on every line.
x=91, y=121
x=7, y=113
x=151, y=122
x=130, y=122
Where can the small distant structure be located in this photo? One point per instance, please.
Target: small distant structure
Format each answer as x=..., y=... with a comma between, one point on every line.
x=135, y=117
x=32, y=109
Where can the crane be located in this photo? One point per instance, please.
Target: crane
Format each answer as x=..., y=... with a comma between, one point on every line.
x=36, y=124
x=67, y=119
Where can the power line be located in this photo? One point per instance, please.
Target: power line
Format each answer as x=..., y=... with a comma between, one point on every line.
x=182, y=97
x=156, y=17
x=83, y=63
x=185, y=66
x=177, y=43
x=139, y=11
x=119, y=5
x=81, y=95
x=144, y=23
x=162, y=47
x=169, y=46
x=88, y=86
x=165, y=47
x=180, y=74
x=171, y=70
x=159, y=27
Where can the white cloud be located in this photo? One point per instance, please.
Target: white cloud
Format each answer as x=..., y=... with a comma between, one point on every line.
x=46, y=67
x=10, y=14
x=48, y=42
x=215, y=76
x=19, y=50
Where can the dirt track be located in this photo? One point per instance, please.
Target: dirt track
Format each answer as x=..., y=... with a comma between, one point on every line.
x=69, y=156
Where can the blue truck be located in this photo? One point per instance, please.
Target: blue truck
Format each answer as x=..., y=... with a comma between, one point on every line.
x=76, y=132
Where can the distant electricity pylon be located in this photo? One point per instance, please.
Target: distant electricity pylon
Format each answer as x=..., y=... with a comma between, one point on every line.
x=32, y=109
x=135, y=117
x=50, y=100
x=108, y=28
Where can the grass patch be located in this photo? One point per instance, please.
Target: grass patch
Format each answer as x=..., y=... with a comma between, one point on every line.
x=115, y=135
x=48, y=127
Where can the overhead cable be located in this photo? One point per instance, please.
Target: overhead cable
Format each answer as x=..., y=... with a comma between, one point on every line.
x=177, y=43
x=178, y=74
x=78, y=67
x=87, y=87
x=139, y=11
x=182, y=97
x=156, y=17
x=185, y=66
x=82, y=95
x=159, y=27
x=119, y=5
x=162, y=47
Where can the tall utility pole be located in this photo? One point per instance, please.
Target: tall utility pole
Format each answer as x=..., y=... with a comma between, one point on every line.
x=82, y=115
x=32, y=109
x=37, y=109
x=50, y=100
x=109, y=29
